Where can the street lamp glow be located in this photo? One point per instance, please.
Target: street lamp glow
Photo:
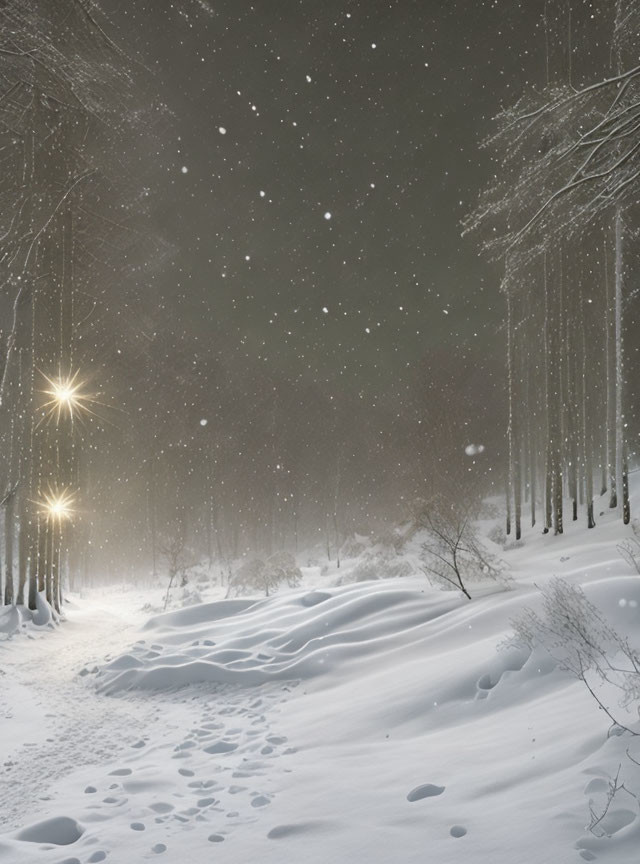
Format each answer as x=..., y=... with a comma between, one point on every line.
x=57, y=506
x=64, y=394
x=67, y=397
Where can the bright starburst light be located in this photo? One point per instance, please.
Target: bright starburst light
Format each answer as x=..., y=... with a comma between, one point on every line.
x=57, y=506
x=68, y=398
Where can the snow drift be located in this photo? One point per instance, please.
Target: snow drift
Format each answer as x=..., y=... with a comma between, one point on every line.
x=295, y=636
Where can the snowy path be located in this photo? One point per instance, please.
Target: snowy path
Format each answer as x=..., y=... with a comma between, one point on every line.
x=135, y=770
x=367, y=722
x=52, y=722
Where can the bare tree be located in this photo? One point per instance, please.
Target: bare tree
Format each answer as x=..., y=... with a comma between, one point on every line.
x=453, y=553
x=173, y=550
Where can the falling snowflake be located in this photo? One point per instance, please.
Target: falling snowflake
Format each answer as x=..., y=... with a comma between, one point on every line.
x=474, y=449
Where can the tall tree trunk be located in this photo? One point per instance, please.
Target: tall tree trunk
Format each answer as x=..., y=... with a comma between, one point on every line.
x=531, y=439
x=610, y=342
x=336, y=501
x=23, y=550
x=571, y=413
x=9, y=529
x=621, y=461
x=548, y=473
x=557, y=401
x=56, y=563
x=587, y=440
x=49, y=545
x=151, y=515
x=34, y=545
x=510, y=442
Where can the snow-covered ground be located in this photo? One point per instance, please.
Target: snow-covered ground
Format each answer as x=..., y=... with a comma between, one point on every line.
x=371, y=721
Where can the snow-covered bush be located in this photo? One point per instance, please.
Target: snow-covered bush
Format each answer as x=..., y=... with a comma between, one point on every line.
x=352, y=547
x=189, y=596
x=258, y=575
x=248, y=577
x=498, y=536
x=489, y=510
x=582, y=642
x=380, y=564
x=629, y=550
x=173, y=549
x=281, y=567
x=577, y=635
x=391, y=538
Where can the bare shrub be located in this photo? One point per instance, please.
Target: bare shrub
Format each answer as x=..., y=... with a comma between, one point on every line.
x=582, y=642
x=282, y=567
x=390, y=538
x=352, y=547
x=598, y=823
x=380, y=564
x=453, y=554
x=173, y=550
x=498, y=536
x=576, y=634
x=629, y=551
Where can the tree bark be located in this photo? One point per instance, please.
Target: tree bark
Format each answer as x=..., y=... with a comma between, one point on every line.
x=9, y=530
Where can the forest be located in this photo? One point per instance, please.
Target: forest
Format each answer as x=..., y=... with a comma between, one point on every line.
x=306, y=435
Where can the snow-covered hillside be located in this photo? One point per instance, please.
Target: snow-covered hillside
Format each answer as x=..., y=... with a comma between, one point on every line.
x=375, y=721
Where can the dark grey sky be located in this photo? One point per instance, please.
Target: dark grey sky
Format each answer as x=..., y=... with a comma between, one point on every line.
x=369, y=111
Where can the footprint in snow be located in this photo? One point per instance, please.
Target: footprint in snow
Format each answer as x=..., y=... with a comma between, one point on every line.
x=221, y=747
x=59, y=831
x=161, y=807
x=288, y=830
x=458, y=831
x=428, y=790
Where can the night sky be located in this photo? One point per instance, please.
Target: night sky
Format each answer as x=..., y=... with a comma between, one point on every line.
x=314, y=172
x=310, y=175
x=320, y=231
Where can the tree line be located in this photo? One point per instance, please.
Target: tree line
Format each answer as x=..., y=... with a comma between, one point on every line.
x=559, y=216
x=70, y=206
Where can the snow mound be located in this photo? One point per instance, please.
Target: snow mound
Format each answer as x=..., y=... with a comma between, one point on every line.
x=295, y=636
x=59, y=831
x=43, y=615
x=13, y=619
